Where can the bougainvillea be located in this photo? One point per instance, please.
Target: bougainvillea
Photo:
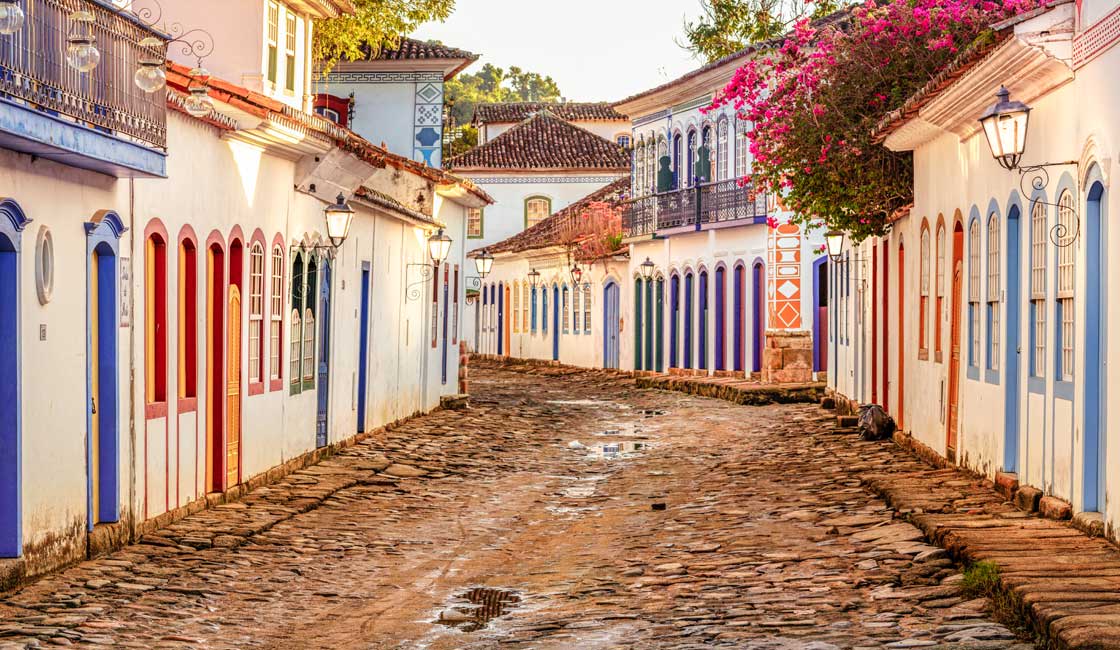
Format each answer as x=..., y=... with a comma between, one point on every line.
x=594, y=234
x=814, y=103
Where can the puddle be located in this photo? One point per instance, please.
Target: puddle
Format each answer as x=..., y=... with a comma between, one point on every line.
x=651, y=413
x=613, y=450
x=472, y=610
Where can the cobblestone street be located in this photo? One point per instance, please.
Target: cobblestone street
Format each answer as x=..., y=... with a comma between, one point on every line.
x=675, y=522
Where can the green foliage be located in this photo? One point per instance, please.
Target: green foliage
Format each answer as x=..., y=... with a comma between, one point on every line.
x=981, y=580
x=728, y=26
x=467, y=140
x=492, y=84
x=379, y=23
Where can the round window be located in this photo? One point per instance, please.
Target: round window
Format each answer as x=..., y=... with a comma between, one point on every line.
x=44, y=265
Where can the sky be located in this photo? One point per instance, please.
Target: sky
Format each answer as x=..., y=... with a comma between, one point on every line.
x=596, y=50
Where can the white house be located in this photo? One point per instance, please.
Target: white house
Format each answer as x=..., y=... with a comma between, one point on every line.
x=982, y=321
x=203, y=331
x=600, y=118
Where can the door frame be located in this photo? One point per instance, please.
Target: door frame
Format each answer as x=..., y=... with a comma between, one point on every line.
x=900, y=415
x=103, y=233
x=758, y=308
x=363, y=347
x=216, y=290
x=1011, y=349
x=953, y=420
x=555, y=322
x=13, y=221
x=324, y=275
x=1094, y=474
x=611, y=306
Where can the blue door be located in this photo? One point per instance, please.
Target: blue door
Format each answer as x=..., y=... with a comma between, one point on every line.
x=555, y=323
x=501, y=319
x=12, y=222
x=363, y=350
x=1096, y=403
x=1011, y=348
x=611, y=306
x=446, y=313
x=324, y=353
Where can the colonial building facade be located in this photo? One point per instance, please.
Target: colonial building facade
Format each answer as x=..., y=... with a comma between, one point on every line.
x=982, y=320
x=201, y=333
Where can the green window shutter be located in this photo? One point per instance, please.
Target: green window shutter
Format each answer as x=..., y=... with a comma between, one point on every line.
x=273, y=62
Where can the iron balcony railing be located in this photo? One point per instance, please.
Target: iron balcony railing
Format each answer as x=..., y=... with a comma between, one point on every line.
x=706, y=203
x=33, y=69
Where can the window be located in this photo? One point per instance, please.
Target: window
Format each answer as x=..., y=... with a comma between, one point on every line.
x=974, y=293
x=623, y=140
x=290, y=51
x=564, y=309
x=455, y=311
x=515, y=299
x=662, y=152
x=691, y=167
x=155, y=303
x=576, y=295
x=534, y=317
x=544, y=310
x=742, y=148
x=188, y=320
x=639, y=168
x=721, y=150
x=923, y=304
x=993, y=292
x=1067, y=230
x=537, y=209
x=587, y=308
x=654, y=152
x=256, y=314
x=474, y=223
x=276, y=316
x=330, y=114
x=525, y=307
x=273, y=41
x=677, y=171
x=706, y=142
x=296, y=336
x=939, y=314
x=309, y=295
x=1038, y=289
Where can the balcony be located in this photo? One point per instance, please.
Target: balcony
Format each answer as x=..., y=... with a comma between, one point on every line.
x=98, y=120
x=722, y=202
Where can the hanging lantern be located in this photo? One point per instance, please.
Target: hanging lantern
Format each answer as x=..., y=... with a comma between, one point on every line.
x=439, y=245
x=81, y=47
x=11, y=17
x=577, y=274
x=150, y=76
x=199, y=103
x=1005, y=127
x=339, y=218
x=647, y=267
x=534, y=277
x=483, y=263
x=835, y=241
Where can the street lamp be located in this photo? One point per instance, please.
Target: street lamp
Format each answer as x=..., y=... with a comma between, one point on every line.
x=439, y=245
x=483, y=263
x=534, y=278
x=647, y=268
x=1005, y=126
x=339, y=217
x=835, y=241
x=81, y=47
x=12, y=17
x=577, y=274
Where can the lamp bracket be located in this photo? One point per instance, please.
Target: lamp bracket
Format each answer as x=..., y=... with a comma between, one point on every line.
x=1036, y=178
x=414, y=290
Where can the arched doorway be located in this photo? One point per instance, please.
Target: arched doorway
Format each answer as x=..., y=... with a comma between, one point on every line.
x=501, y=318
x=102, y=376
x=638, y=324
x=688, y=320
x=611, y=348
x=739, y=331
x=555, y=323
x=506, y=322
x=215, y=354
x=659, y=353
x=674, y=319
x=323, y=371
x=758, y=314
x=1096, y=317
x=648, y=320
x=1011, y=349
x=955, y=342
x=820, y=316
x=12, y=223
x=702, y=327
x=721, y=318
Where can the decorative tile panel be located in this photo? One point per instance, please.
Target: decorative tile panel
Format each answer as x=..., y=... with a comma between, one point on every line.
x=783, y=280
x=1096, y=39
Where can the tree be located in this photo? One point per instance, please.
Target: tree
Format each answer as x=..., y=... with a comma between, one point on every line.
x=376, y=23
x=728, y=26
x=815, y=102
x=492, y=84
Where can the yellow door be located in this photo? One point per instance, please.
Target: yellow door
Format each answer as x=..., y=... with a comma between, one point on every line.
x=94, y=389
x=233, y=394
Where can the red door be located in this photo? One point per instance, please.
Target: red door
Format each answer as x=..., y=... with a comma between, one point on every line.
x=901, y=335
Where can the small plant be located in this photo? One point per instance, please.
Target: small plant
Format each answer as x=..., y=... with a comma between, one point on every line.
x=981, y=580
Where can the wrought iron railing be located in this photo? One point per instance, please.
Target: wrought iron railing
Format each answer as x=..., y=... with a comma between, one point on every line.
x=707, y=203
x=33, y=68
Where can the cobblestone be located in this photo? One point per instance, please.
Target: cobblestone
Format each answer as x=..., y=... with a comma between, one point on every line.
x=728, y=526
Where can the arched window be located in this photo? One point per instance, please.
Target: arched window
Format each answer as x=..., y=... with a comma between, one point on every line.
x=537, y=209
x=534, y=318
x=993, y=292
x=923, y=300
x=662, y=152
x=974, y=293
x=188, y=319
x=256, y=315
x=310, y=295
x=678, y=173
x=564, y=309
x=1038, y=289
x=544, y=310
x=742, y=148
x=276, y=318
x=653, y=163
x=295, y=355
x=674, y=317
x=515, y=300
x=938, y=316
x=640, y=168
x=721, y=170
x=687, y=314
x=587, y=308
x=155, y=304
x=576, y=294
x=1067, y=229
x=690, y=178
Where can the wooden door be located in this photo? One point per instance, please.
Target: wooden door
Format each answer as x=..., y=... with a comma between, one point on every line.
x=901, y=337
x=506, y=324
x=610, y=326
x=954, y=361
x=233, y=389
x=94, y=387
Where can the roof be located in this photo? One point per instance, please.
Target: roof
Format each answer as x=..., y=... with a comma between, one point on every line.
x=547, y=232
x=545, y=141
x=511, y=112
x=831, y=19
x=387, y=202
x=179, y=79
x=411, y=49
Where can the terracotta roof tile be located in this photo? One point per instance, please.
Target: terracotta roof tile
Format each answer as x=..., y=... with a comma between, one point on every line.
x=411, y=49
x=502, y=113
x=544, y=141
x=547, y=232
